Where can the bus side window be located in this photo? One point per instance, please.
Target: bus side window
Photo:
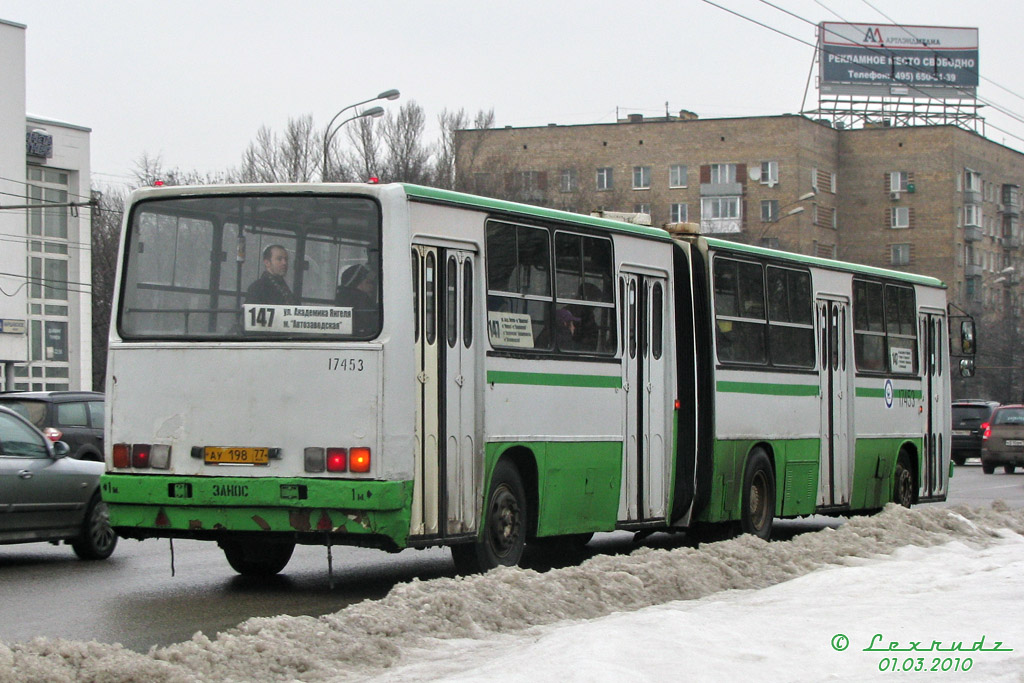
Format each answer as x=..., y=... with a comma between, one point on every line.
x=467, y=303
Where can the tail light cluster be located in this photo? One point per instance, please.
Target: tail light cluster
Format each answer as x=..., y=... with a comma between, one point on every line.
x=356, y=459
x=142, y=456
x=53, y=434
x=986, y=431
x=316, y=459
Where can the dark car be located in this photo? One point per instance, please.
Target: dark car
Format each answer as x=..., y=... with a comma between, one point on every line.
x=968, y=416
x=74, y=417
x=46, y=496
x=1003, y=442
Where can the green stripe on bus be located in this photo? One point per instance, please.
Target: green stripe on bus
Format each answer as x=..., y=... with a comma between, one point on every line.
x=871, y=392
x=547, y=379
x=768, y=388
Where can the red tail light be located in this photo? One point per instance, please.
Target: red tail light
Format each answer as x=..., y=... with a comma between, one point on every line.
x=359, y=460
x=337, y=460
x=122, y=455
x=140, y=455
x=53, y=434
x=986, y=431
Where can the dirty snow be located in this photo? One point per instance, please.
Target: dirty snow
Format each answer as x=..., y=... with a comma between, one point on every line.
x=723, y=611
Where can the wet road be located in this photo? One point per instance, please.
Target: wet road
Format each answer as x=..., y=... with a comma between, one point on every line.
x=132, y=598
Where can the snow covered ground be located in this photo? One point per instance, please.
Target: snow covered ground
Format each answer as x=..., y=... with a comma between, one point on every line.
x=827, y=605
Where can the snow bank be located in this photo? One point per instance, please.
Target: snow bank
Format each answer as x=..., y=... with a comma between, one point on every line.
x=365, y=639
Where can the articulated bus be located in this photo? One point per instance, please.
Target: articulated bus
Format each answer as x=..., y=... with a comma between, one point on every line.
x=398, y=366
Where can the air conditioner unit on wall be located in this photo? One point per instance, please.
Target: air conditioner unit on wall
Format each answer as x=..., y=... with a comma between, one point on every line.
x=894, y=195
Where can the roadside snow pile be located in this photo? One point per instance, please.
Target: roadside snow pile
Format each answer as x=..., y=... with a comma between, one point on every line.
x=367, y=638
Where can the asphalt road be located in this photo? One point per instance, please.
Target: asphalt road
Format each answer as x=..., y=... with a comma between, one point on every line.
x=133, y=599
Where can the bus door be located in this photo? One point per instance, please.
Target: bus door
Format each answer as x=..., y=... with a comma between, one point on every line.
x=445, y=469
x=835, y=471
x=645, y=448
x=932, y=337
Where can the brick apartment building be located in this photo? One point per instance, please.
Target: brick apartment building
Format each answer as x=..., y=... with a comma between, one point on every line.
x=937, y=200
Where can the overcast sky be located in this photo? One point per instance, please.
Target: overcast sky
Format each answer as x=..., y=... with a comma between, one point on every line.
x=192, y=82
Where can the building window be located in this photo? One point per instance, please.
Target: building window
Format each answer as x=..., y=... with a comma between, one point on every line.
x=972, y=181
x=833, y=182
x=720, y=214
x=770, y=173
x=604, y=178
x=814, y=179
x=835, y=219
x=569, y=180
x=723, y=173
x=899, y=217
x=898, y=181
x=642, y=208
x=769, y=210
x=972, y=215
x=678, y=213
x=900, y=255
x=641, y=177
x=677, y=175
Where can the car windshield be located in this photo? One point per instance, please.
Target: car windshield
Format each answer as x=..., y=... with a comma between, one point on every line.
x=248, y=267
x=33, y=411
x=1009, y=416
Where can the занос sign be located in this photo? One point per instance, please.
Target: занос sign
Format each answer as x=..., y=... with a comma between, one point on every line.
x=884, y=59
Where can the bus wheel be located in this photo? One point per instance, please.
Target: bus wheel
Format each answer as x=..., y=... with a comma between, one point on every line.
x=903, y=484
x=256, y=557
x=1009, y=468
x=503, y=536
x=758, y=496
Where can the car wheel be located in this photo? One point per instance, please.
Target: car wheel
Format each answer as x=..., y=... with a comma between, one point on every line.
x=758, y=496
x=988, y=469
x=959, y=459
x=97, y=540
x=260, y=558
x=903, y=481
x=503, y=537
x=1009, y=468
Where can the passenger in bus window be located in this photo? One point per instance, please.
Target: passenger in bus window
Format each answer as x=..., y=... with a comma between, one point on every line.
x=270, y=287
x=358, y=291
x=565, y=329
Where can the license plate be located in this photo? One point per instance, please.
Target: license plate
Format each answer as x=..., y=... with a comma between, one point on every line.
x=961, y=432
x=1015, y=442
x=237, y=455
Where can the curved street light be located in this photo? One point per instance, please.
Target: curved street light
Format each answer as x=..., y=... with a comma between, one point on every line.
x=374, y=112
x=792, y=212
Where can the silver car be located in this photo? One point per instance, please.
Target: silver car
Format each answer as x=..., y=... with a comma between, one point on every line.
x=47, y=496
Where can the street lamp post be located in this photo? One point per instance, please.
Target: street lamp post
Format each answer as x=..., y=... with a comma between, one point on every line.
x=331, y=129
x=792, y=212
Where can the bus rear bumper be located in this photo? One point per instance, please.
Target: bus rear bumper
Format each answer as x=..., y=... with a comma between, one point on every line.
x=310, y=511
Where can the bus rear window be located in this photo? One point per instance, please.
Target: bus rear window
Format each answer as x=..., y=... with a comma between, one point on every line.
x=252, y=268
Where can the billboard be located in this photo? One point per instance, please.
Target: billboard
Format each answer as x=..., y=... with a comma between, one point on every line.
x=890, y=60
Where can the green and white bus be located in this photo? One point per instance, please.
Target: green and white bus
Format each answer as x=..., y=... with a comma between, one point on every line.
x=434, y=368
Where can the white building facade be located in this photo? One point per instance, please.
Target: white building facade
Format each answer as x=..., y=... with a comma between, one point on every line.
x=45, y=236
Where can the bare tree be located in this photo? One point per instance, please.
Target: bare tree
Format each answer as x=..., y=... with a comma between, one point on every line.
x=293, y=158
x=407, y=157
x=365, y=160
x=106, y=235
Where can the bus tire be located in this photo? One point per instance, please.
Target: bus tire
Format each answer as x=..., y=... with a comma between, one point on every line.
x=758, y=496
x=1008, y=469
x=503, y=536
x=251, y=557
x=97, y=540
x=903, y=481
